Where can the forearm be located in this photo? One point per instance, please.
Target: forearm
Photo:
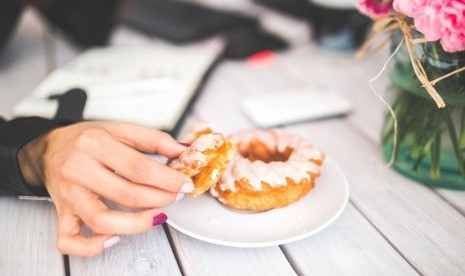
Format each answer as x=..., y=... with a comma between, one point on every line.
x=20, y=147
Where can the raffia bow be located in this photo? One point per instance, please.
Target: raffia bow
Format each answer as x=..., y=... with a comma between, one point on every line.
x=400, y=22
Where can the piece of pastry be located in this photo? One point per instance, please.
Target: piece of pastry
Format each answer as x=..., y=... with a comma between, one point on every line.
x=205, y=160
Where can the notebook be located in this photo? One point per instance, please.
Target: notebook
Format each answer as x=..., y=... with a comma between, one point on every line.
x=151, y=84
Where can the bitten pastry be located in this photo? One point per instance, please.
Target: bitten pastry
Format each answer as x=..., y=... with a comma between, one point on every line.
x=205, y=160
x=272, y=169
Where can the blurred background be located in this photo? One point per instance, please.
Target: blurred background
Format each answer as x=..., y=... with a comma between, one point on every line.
x=270, y=47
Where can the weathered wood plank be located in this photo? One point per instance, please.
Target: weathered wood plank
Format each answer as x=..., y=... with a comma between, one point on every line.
x=27, y=243
x=201, y=258
x=351, y=246
x=148, y=253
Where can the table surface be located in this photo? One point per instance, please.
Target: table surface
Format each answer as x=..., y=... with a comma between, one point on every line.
x=391, y=225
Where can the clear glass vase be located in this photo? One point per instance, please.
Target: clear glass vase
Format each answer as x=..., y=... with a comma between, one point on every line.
x=430, y=141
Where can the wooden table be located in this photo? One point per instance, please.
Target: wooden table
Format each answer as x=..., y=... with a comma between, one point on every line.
x=391, y=225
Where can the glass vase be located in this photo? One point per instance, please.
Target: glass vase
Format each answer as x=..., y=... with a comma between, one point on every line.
x=430, y=144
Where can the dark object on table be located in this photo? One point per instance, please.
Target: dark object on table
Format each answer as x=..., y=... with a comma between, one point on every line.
x=182, y=22
x=86, y=22
x=9, y=12
x=179, y=21
x=71, y=104
x=243, y=42
x=339, y=28
x=334, y=27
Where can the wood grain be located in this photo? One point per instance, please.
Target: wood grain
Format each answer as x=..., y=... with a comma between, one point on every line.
x=148, y=253
x=28, y=238
x=201, y=258
x=350, y=246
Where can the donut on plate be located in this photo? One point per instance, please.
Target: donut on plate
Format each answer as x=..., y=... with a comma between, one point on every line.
x=272, y=169
x=205, y=160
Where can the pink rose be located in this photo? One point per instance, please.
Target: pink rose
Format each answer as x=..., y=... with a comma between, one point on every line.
x=453, y=42
x=427, y=21
x=375, y=8
x=442, y=20
x=453, y=16
x=408, y=7
x=453, y=21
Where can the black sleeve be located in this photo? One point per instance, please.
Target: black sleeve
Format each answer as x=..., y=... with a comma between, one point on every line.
x=13, y=135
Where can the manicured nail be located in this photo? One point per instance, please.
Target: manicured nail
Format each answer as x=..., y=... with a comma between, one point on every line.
x=184, y=144
x=159, y=219
x=179, y=196
x=187, y=187
x=111, y=241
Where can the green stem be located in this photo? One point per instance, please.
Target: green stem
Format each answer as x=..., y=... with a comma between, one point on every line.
x=435, y=54
x=462, y=130
x=428, y=140
x=435, y=157
x=455, y=143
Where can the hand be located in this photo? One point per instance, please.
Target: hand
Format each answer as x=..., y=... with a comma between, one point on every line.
x=82, y=163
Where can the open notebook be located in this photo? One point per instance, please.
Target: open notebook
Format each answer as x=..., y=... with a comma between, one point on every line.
x=149, y=84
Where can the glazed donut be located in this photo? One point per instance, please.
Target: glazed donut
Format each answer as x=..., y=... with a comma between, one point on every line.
x=205, y=160
x=272, y=169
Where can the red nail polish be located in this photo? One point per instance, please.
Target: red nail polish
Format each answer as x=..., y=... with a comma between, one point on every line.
x=184, y=144
x=159, y=219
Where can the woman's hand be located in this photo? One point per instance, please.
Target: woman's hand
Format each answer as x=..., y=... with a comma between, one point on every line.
x=82, y=163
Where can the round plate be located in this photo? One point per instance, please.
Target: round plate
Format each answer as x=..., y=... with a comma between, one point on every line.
x=206, y=219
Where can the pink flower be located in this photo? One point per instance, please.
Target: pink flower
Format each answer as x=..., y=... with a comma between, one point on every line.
x=453, y=42
x=408, y=7
x=453, y=22
x=427, y=21
x=442, y=20
x=375, y=8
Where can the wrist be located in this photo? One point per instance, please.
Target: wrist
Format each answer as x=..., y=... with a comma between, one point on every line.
x=30, y=158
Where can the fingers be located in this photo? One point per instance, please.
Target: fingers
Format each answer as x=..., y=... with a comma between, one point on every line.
x=123, y=192
x=138, y=167
x=102, y=220
x=146, y=139
x=70, y=242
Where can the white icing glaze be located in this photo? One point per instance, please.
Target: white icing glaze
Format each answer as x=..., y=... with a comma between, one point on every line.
x=297, y=167
x=207, y=141
x=193, y=158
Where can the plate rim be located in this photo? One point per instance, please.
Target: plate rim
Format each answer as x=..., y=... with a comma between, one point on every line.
x=279, y=241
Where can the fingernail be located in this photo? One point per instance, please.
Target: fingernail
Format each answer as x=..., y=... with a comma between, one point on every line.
x=187, y=187
x=159, y=219
x=111, y=241
x=184, y=144
x=179, y=196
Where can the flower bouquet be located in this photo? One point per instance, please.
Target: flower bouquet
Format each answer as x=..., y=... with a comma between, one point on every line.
x=423, y=134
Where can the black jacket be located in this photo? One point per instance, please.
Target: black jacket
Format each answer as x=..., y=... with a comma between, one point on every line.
x=13, y=135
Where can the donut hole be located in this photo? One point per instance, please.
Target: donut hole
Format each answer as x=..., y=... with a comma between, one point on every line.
x=257, y=150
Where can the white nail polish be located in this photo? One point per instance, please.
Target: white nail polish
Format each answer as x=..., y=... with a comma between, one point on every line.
x=187, y=187
x=179, y=196
x=111, y=241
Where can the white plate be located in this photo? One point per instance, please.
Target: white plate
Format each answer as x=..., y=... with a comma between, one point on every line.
x=206, y=219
